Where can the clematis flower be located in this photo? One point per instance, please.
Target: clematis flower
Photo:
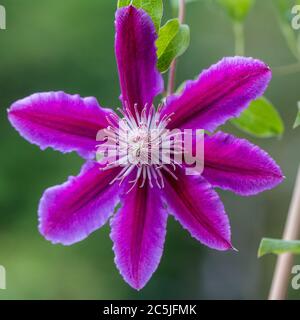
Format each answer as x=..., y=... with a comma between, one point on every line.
x=70, y=212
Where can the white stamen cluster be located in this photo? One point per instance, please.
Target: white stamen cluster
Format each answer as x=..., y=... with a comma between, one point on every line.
x=142, y=141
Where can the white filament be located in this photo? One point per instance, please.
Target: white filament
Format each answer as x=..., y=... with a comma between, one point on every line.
x=142, y=141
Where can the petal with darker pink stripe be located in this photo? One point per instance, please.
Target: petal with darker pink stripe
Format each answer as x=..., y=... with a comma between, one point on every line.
x=138, y=231
x=61, y=121
x=68, y=213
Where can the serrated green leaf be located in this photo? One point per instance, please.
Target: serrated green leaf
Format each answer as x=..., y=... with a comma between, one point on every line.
x=173, y=40
x=153, y=7
x=297, y=122
x=276, y=246
x=237, y=9
x=260, y=119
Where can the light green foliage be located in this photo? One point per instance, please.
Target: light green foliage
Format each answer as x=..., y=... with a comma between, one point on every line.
x=260, y=119
x=276, y=246
x=237, y=9
x=172, y=42
x=153, y=7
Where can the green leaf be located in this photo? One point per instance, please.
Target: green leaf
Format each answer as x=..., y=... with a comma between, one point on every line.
x=173, y=40
x=297, y=122
x=276, y=246
x=237, y=9
x=123, y=3
x=153, y=7
x=260, y=119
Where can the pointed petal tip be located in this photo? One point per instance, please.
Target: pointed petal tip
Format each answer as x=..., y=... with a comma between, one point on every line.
x=252, y=63
x=138, y=232
x=136, y=285
x=234, y=249
x=70, y=212
x=268, y=68
x=203, y=216
x=249, y=59
x=133, y=283
x=135, y=50
x=64, y=122
x=244, y=62
x=227, y=245
x=219, y=93
x=248, y=170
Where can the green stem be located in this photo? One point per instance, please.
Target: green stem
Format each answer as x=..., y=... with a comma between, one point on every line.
x=239, y=35
x=290, y=39
x=172, y=72
x=284, y=263
x=288, y=69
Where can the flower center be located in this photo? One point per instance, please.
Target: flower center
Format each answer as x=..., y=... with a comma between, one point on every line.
x=142, y=142
x=139, y=145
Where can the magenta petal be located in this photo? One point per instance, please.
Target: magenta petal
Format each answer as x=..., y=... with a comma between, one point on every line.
x=194, y=203
x=70, y=212
x=63, y=122
x=220, y=93
x=138, y=232
x=239, y=166
x=136, y=57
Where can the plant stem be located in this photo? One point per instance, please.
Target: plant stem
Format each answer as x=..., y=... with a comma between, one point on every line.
x=284, y=263
x=238, y=29
x=172, y=72
x=288, y=69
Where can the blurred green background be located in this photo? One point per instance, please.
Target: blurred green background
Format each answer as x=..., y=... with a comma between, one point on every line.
x=69, y=45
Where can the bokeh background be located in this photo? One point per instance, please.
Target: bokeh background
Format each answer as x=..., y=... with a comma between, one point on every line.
x=69, y=45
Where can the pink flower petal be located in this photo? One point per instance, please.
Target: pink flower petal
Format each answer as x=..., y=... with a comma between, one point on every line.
x=198, y=208
x=61, y=121
x=220, y=93
x=239, y=166
x=136, y=57
x=70, y=212
x=138, y=232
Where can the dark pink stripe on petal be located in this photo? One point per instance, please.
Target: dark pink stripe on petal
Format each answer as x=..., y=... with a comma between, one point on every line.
x=239, y=166
x=136, y=57
x=220, y=93
x=61, y=121
x=138, y=231
x=198, y=208
x=68, y=213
